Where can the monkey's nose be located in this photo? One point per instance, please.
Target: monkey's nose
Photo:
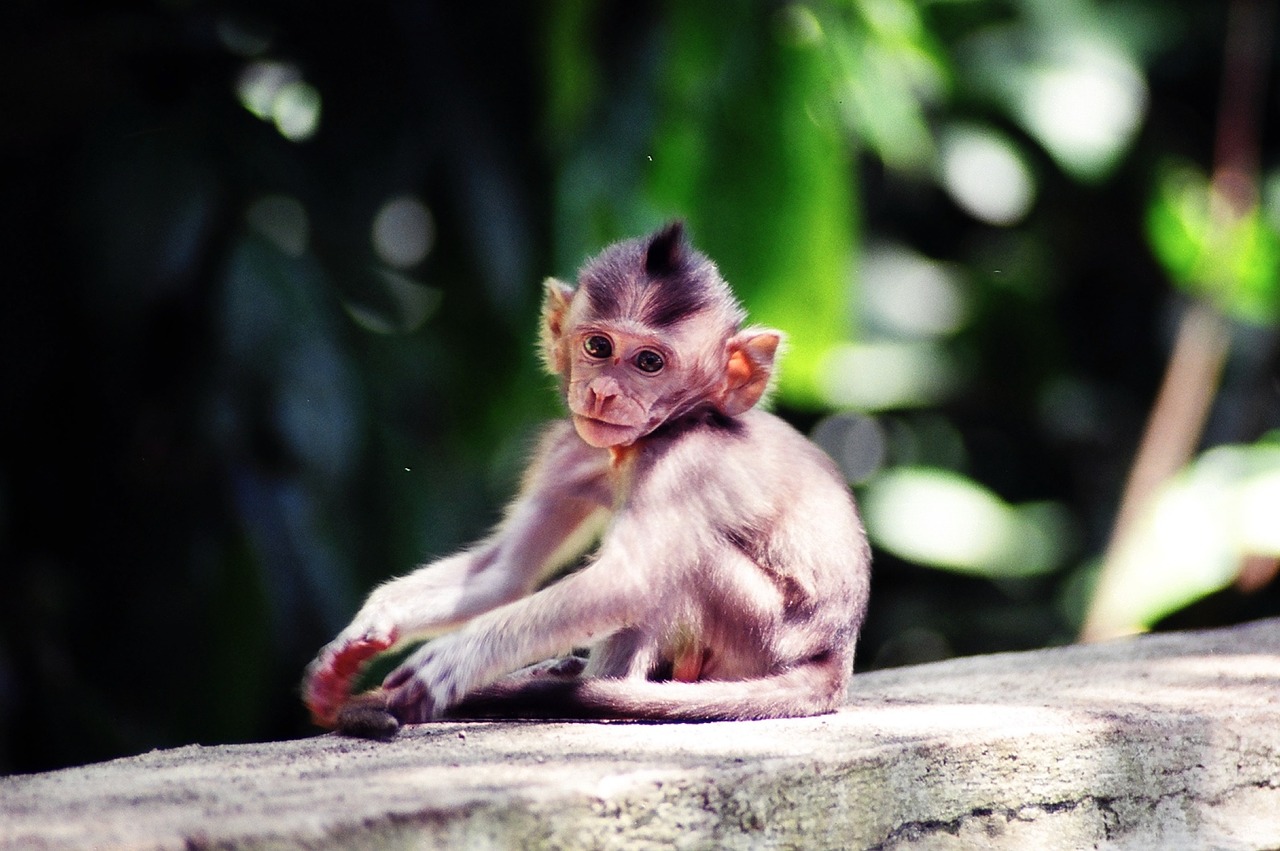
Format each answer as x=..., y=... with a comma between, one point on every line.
x=599, y=402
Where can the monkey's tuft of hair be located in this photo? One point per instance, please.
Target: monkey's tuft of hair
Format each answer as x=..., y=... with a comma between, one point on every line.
x=658, y=280
x=366, y=717
x=667, y=250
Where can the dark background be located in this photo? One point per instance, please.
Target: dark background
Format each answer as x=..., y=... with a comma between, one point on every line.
x=223, y=421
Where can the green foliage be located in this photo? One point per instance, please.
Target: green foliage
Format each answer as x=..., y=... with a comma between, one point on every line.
x=748, y=145
x=889, y=71
x=1196, y=533
x=740, y=135
x=946, y=520
x=1212, y=252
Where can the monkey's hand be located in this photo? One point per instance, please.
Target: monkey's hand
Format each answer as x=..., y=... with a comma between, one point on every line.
x=432, y=679
x=328, y=681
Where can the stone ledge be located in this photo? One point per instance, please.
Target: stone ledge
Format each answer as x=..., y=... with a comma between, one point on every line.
x=1160, y=742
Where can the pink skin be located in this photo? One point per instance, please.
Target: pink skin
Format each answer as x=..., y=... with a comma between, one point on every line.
x=593, y=400
x=329, y=687
x=623, y=379
x=602, y=434
x=606, y=415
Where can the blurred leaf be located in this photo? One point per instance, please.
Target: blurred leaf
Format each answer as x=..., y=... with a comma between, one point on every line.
x=890, y=72
x=572, y=77
x=289, y=412
x=286, y=359
x=750, y=149
x=942, y=519
x=1231, y=261
x=1196, y=534
x=1071, y=84
x=889, y=374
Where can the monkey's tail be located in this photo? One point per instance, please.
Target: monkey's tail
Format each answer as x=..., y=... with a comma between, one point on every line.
x=814, y=688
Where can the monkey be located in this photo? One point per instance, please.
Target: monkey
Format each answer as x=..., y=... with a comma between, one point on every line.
x=731, y=575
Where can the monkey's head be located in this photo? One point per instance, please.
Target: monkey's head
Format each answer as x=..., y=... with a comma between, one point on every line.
x=651, y=332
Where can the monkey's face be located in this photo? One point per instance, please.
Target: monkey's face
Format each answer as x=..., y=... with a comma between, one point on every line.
x=620, y=383
x=650, y=333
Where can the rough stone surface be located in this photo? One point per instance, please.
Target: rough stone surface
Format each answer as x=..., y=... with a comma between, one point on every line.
x=1162, y=742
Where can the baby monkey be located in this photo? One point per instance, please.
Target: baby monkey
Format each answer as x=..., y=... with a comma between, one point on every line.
x=732, y=572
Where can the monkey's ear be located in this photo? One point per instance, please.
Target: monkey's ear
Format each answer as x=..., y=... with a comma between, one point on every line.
x=555, y=310
x=748, y=369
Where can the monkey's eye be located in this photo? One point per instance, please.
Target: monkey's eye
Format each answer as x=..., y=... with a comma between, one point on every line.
x=649, y=361
x=597, y=346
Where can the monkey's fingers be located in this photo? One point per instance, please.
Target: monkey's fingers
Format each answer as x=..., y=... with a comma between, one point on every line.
x=329, y=685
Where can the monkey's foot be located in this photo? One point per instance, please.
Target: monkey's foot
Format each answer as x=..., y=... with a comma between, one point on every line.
x=367, y=716
x=329, y=683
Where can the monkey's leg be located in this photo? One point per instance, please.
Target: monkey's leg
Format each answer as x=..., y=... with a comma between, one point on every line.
x=543, y=528
x=369, y=715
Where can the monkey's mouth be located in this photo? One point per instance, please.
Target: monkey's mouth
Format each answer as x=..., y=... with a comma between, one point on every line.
x=598, y=432
x=602, y=422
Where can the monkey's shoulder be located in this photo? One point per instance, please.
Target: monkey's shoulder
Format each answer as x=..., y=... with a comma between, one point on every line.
x=757, y=442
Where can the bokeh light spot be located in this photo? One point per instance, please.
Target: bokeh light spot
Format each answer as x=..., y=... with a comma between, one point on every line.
x=260, y=82
x=799, y=25
x=905, y=294
x=296, y=111
x=986, y=176
x=276, y=92
x=403, y=232
x=883, y=375
x=1084, y=106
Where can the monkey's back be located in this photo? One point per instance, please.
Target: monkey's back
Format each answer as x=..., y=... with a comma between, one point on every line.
x=769, y=509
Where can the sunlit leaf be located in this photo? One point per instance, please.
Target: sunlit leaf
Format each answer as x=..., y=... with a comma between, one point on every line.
x=890, y=73
x=1195, y=535
x=942, y=519
x=1231, y=260
x=1072, y=85
x=763, y=171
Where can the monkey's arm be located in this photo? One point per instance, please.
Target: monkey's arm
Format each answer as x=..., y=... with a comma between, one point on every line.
x=615, y=591
x=547, y=525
